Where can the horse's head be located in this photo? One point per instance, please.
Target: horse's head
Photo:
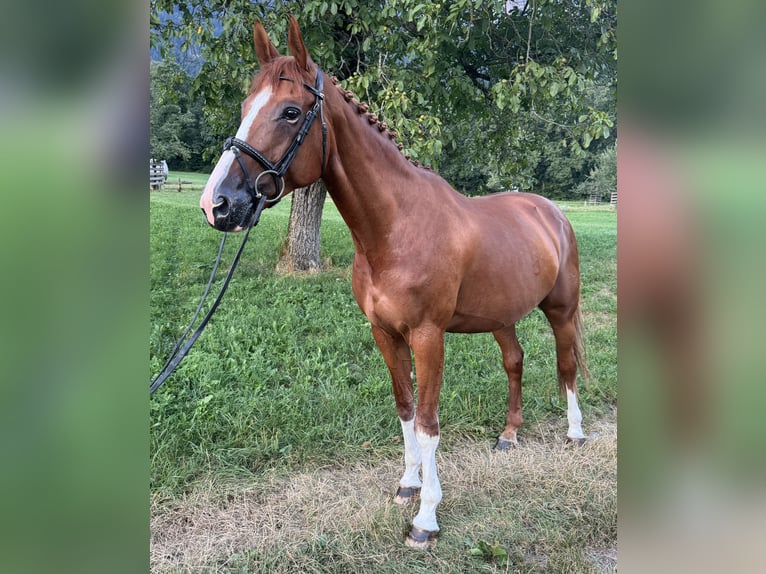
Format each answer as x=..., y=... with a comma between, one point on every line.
x=281, y=142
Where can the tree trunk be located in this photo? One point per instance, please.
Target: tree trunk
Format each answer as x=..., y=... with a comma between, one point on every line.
x=301, y=249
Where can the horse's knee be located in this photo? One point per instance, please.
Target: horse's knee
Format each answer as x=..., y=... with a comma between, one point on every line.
x=513, y=363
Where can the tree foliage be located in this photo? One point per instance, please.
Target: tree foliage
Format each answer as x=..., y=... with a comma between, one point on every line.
x=178, y=132
x=495, y=94
x=602, y=179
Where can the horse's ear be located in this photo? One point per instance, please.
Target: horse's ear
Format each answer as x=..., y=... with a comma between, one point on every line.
x=264, y=49
x=296, y=45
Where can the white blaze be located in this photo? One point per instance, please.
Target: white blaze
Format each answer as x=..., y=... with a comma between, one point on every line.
x=255, y=107
x=223, y=166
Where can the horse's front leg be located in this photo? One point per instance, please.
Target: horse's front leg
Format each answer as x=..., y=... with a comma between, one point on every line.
x=428, y=347
x=396, y=354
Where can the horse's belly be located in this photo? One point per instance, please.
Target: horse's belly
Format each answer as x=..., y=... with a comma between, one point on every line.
x=461, y=323
x=489, y=304
x=488, y=317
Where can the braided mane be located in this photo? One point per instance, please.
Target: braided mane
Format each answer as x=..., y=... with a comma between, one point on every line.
x=363, y=108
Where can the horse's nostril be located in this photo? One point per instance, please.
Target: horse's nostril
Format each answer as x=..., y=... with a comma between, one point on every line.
x=221, y=208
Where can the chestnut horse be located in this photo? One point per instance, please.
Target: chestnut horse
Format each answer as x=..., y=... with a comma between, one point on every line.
x=428, y=260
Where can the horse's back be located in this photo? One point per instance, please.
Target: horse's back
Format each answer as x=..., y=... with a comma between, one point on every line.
x=520, y=221
x=518, y=207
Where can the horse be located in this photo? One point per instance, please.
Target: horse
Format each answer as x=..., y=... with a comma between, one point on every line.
x=428, y=260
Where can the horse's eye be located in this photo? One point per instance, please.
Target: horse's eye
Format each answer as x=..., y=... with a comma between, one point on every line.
x=291, y=114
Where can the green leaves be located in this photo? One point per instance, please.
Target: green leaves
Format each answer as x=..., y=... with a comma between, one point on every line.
x=489, y=552
x=595, y=125
x=439, y=73
x=602, y=179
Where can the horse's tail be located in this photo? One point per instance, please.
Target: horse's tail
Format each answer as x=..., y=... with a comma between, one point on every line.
x=579, y=344
x=578, y=349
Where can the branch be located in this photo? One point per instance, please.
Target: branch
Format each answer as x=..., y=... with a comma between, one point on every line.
x=529, y=33
x=549, y=121
x=473, y=72
x=476, y=77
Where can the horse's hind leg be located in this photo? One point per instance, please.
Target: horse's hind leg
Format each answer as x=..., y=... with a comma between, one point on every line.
x=397, y=356
x=513, y=361
x=567, y=330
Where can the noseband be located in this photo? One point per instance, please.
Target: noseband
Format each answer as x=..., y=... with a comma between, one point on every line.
x=277, y=170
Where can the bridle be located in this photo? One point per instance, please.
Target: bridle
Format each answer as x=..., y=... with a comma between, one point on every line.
x=277, y=170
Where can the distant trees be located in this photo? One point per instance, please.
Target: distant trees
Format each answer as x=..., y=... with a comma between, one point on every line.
x=494, y=94
x=602, y=179
x=178, y=131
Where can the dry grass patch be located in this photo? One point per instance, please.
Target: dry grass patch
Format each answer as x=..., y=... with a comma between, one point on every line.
x=550, y=506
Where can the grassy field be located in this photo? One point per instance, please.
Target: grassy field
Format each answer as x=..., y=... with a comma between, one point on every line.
x=276, y=447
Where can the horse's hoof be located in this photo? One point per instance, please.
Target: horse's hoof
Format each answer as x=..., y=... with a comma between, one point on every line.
x=577, y=441
x=503, y=444
x=421, y=539
x=406, y=494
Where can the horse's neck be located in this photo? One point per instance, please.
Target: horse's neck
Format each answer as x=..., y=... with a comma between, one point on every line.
x=368, y=178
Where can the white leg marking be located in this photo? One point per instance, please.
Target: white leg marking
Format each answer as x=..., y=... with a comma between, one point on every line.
x=431, y=493
x=574, y=416
x=411, y=456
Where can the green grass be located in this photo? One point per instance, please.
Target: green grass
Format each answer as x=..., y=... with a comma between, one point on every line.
x=286, y=378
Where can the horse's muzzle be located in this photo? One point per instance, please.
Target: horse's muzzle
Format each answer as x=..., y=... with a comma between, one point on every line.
x=231, y=212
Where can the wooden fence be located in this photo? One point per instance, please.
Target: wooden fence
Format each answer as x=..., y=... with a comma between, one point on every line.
x=595, y=199
x=158, y=174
